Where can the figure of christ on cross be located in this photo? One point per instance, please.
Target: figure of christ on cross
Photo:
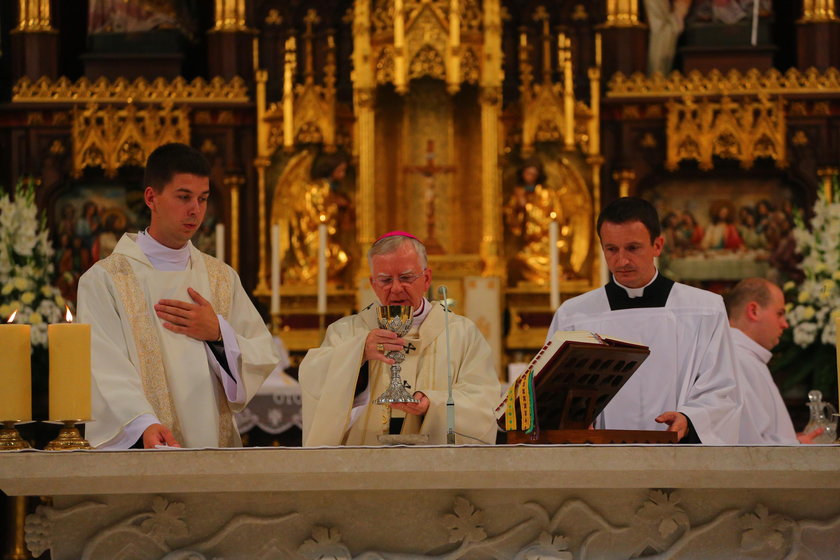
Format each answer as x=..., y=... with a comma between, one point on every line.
x=433, y=246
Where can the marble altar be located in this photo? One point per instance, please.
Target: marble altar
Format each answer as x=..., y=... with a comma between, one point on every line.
x=517, y=502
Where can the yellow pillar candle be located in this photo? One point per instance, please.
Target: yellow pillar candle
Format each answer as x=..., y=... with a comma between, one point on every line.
x=16, y=396
x=837, y=343
x=69, y=371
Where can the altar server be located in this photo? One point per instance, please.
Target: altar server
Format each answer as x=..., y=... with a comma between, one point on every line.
x=340, y=379
x=756, y=309
x=177, y=346
x=687, y=384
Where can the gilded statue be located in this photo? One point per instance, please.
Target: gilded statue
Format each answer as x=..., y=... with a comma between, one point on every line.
x=311, y=194
x=531, y=208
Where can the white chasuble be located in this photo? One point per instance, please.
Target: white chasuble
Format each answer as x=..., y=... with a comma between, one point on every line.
x=139, y=367
x=765, y=418
x=329, y=375
x=690, y=368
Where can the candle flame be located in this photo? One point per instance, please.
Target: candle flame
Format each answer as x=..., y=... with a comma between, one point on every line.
x=553, y=215
x=68, y=316
x=12, y=317
x=323, y=218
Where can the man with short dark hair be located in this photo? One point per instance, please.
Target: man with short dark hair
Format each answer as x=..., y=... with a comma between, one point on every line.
x=756, y=309
x=687, y=384
x=176, y=345
x=340, y=379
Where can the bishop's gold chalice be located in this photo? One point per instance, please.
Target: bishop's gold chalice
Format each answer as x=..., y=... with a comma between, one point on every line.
x=397, y=319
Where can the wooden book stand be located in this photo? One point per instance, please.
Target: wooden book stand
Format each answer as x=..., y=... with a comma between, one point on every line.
x=573, y=388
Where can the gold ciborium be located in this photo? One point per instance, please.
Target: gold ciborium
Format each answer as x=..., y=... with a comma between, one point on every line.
x=397, y=319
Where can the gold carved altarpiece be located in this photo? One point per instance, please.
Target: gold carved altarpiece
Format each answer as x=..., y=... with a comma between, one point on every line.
x=427, y=143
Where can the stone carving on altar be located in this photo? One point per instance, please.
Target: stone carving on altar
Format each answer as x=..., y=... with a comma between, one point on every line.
x=534, y=202
x=662, y=524
x=313, y=190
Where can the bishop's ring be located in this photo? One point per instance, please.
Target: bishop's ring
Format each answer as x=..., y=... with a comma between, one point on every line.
x=381, y=347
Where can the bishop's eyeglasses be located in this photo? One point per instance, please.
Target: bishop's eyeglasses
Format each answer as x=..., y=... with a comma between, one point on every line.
x=388, y=281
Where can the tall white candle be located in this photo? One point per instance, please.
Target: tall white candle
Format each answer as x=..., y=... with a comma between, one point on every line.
x=322, y=266
x=275, y=269
x=220, y=242
x=554, y=278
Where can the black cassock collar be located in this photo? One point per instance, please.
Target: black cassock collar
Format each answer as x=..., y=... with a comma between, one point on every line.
x=655, y=295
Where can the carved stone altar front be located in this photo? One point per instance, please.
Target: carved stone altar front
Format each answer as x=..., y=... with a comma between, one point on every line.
x=468, y=502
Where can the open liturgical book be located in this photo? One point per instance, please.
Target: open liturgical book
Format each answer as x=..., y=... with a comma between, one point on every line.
x=568, y=383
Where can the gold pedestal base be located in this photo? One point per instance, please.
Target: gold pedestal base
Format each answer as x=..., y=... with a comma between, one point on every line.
x=10, y=439
x=68, y=439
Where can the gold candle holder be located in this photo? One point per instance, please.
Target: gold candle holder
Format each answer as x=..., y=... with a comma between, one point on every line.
x=69, y=438
x=10, y=439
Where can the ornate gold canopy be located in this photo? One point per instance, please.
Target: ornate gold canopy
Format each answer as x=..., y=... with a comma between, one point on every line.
x=742, y=130
x=113, y=137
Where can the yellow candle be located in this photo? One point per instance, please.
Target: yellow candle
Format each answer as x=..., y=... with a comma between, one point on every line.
x=837, y=343
x=69, y=371
x=16, y=396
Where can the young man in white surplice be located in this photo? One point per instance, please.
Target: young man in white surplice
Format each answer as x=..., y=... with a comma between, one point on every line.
x=176, y=344
x=756, y=309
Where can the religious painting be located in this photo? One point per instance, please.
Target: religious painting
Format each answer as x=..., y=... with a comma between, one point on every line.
x=722, y=23
x=88, y=220
x=723, y=230
x=138, y=16
x=727, y=11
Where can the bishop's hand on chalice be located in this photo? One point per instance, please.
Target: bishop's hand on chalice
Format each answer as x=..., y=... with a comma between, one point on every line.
x=397, y=319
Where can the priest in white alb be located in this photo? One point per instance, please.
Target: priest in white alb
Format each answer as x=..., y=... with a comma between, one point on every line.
x=176, y=345
x=756, y=309
x=687, y=385
x=341, y=379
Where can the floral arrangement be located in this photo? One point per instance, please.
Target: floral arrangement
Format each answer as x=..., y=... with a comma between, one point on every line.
x=26, y=265
x=814, y=305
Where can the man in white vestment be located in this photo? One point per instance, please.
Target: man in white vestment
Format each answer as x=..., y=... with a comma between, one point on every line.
x=340, y=379
x=176, y=345
x=756, y=309
x=687, y=384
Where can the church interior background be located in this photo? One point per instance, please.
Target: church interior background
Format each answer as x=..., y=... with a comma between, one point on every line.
x=492, y=129
x=475, y=124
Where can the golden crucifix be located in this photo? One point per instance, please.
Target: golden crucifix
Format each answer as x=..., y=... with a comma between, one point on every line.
x=428, y=171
